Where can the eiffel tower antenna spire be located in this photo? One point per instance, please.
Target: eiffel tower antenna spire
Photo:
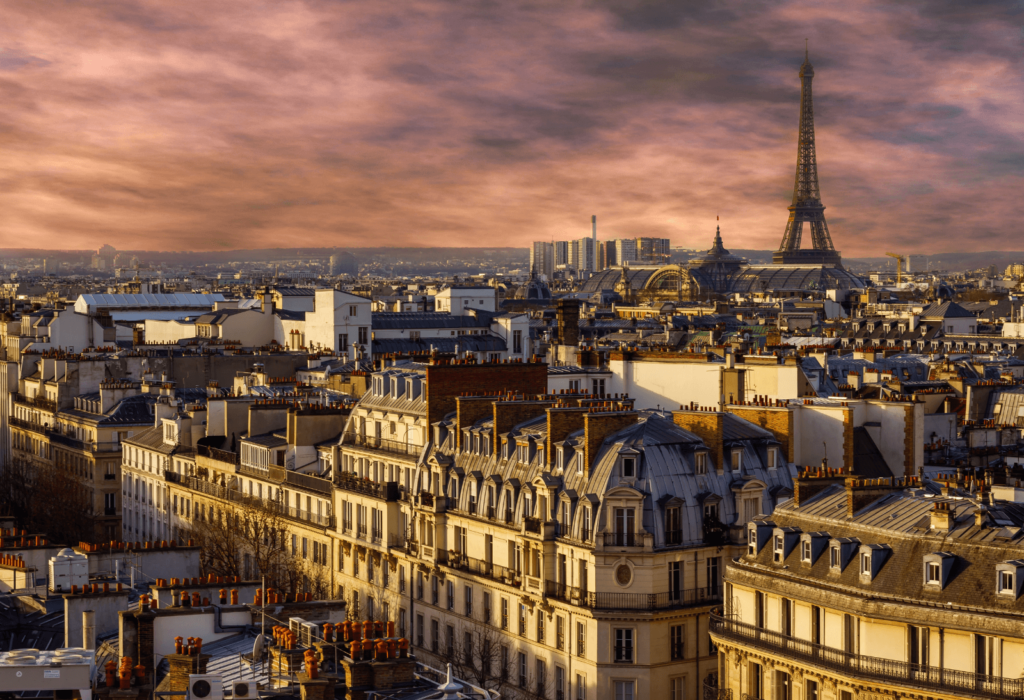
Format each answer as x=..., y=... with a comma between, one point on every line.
x=806, y=207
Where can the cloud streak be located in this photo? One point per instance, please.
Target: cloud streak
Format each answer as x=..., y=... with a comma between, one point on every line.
x=284, y=123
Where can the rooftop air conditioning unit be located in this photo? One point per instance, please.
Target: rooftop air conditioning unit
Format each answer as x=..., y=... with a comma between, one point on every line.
x=295, y=626
x=205, y=687
x=309, y=633
x=243, y=689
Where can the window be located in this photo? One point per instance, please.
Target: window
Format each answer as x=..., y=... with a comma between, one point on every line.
x=701, y=463
x=755, y=683
x=786, y=617
x=581, y=639
x=676, y=690
x=865, y=564
x=752, y=542
x=628, y=467
x=504, y=663
x=517, y=342
x=581, y=687
x=504, y=613
x=559, y=632
x=468, y=600
x=673, y=525
x=933, y=573
x=712, y=569
x=1005, y=582
x=433, y=590
x=522, y=670
x=580, y=464
x=773, y=457
x=363, y=335
x=805, y=551
x=435, y=632
x=811, y=690
x=817, y=624
x=780, y=549
x=835, y=561
x=449, y=638
x=559, y=683
x=624, y=690
x=598, y=387
x=522, y=619
x=467, y=648
x=625, y=527
x=487, y=608
x=542, y=673
x=451, y=595
x=677, y=648
x=419, y=630
x=623, y=646
x=737, y=460
x=919, y=637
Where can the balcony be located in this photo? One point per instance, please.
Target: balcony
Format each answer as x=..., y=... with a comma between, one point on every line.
x=219, y=455
x=28, y=425
x=622, y=539
x=382, y=444
x=871, y=668
x=711, y=691
x=172, y=477
x=532, y=525
x=480, y=567
x=388, y=491
x=58, y=438
x=693, y=598
x=35, y=402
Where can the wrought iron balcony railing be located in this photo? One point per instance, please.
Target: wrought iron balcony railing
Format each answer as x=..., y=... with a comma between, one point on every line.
x=917, y=676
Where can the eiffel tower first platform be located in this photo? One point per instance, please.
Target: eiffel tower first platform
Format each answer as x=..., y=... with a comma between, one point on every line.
x=806, y=211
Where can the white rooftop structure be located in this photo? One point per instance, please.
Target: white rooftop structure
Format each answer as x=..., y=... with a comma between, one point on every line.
x=91, y=303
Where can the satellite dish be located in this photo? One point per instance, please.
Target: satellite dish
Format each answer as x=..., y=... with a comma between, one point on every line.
x=257, y=647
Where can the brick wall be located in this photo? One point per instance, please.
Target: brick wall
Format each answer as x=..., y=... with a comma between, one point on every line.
x=181, y=667
x=778, y=421
x=909, y=430
x=446, y=382
x=561, y=422
x=848, y=438
x=598, y=426
x=508, y=414
x=470, y=409
x=708, y=426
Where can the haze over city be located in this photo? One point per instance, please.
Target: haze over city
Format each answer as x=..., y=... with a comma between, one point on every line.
x=215, y=126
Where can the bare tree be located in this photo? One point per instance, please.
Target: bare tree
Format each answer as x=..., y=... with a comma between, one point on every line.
x=46, y=499
x=248, y=540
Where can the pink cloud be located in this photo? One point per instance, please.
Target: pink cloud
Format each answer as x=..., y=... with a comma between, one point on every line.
x=192, y=126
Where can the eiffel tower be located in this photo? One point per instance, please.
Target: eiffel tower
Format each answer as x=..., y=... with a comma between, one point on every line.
x=806, y=207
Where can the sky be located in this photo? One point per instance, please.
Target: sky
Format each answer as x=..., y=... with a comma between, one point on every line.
x=198, y=125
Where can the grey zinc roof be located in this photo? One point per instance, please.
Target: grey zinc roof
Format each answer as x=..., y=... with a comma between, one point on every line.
x=902, y=520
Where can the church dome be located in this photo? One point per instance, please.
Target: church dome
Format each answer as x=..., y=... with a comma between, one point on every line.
x=534, y=290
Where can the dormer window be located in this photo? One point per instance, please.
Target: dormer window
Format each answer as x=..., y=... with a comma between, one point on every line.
x=865, y=564
x=628, y=467
x=805, y=551
x=1009, y=578
x=937, y=568
x=835, y=559
x=580, y=463
x=737, y=460
x=773, y=457
x=779, y=549
x=700, y=463
x=752, y=542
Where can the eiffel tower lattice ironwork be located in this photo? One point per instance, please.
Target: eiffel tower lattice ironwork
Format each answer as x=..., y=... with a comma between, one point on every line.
x=806, y=207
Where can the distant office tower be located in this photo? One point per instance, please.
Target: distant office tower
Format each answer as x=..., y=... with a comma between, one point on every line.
x=605, y=255
x=581, y=254
x=625, y=251
x=542, y=259
x=561, y=253
x=652, y=251
x=343, y=264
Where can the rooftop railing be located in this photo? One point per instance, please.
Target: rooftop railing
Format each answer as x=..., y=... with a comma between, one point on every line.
x=917, y=676
x=383, y=444
x=691, y=598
